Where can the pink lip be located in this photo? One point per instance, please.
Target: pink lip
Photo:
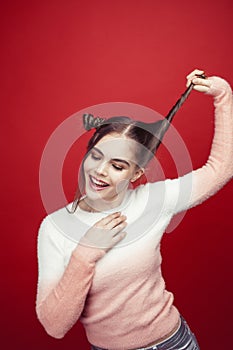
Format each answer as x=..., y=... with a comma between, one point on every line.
x=94, y=186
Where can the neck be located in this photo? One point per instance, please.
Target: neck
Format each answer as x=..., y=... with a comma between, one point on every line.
x=95, y=206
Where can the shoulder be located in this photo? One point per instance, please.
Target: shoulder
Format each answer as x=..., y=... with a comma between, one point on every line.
x=50, y=229
x=172, y=191
x=152, y=194
x=63, y=226
x=50, y=219
x=157, y=188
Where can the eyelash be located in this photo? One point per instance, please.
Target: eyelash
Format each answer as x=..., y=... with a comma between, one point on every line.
x=93, y=156
x=117, y=167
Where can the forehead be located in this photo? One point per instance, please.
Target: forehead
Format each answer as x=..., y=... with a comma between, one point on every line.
x=118, y=146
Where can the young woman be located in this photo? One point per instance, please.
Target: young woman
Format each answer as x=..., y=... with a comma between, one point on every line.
x=111, y=279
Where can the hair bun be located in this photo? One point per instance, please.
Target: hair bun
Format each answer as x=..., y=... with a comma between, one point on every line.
x=90, y=122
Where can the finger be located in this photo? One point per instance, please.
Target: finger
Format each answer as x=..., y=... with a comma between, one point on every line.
x=201, y=81
x=194, y=72
x=192, y=75
x=115, y=222
x=118, y=238
x=201, y=88
x=115, y=231
x=107, y=219
x=201, y=85
x=109, y=225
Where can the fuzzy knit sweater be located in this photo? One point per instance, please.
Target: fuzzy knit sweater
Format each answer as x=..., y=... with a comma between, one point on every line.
x=120, y=296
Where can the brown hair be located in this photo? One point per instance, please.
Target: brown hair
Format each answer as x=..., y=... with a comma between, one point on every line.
x=147, y=135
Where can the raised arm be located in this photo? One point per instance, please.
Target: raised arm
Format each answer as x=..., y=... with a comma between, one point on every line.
x=218, y=170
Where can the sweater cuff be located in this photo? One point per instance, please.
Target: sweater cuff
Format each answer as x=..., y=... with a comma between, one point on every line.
x=219, y=87
x=88, y=253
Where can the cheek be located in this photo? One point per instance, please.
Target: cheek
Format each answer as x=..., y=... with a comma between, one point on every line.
x=121, y=181
x=87, y=165
x=85, y=168
x=122, y=185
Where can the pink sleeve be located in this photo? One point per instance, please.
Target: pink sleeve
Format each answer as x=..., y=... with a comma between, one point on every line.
x=59, y=304
x=197, y=186
x=219, y=167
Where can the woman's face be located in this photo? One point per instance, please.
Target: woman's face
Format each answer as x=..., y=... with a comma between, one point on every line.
x=109, y=168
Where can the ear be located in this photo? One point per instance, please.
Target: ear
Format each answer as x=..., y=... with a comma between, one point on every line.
x=138, y=173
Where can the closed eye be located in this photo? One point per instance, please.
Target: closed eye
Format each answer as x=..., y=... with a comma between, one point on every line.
x=95, y=156
x=117, y=167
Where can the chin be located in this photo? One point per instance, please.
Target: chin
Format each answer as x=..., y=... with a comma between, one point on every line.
x=107, y=199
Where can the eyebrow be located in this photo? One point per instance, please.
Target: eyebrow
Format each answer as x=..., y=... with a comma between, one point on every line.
x=113, y=159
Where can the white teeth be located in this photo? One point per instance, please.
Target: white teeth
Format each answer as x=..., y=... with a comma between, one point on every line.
x=98, y=183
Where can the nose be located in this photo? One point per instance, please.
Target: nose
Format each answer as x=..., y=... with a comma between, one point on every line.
x=101, y=169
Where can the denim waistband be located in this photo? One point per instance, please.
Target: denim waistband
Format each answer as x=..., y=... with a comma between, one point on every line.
x=183, y=338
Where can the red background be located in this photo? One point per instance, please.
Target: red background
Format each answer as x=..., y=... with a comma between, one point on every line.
x=58, y=57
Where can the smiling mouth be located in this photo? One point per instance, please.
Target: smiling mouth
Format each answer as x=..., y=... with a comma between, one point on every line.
x=97, y=184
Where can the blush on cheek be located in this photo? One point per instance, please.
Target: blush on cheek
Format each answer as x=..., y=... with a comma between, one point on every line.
x=122, y=185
